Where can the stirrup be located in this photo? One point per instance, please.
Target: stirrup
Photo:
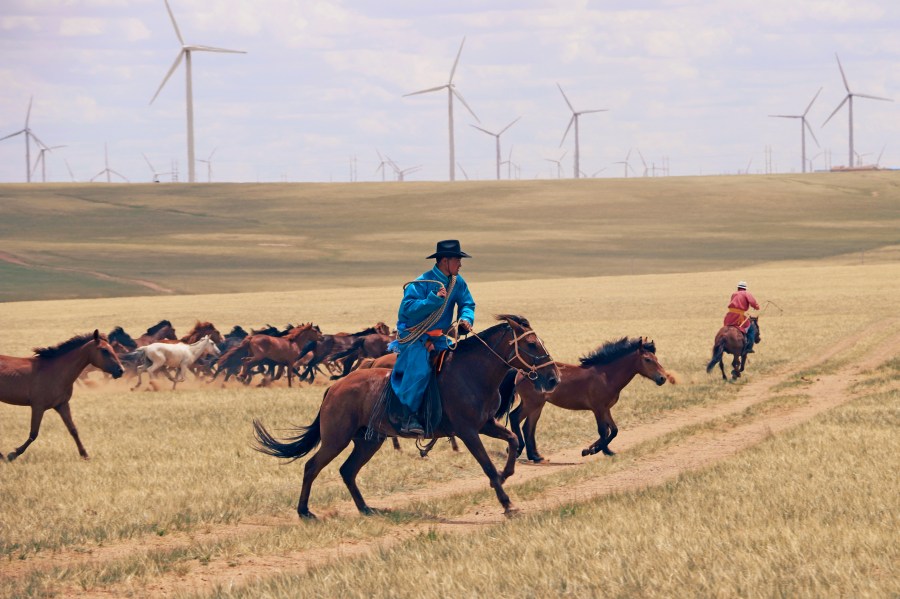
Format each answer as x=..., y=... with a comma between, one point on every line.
x=413, y=427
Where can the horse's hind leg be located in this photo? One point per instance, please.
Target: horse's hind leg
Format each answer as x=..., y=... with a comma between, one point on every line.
x=606, y=428
x=515, y=420
x=531, y=421
x=362, y=452
x=327, y=452
x=36, y=417
x=65, y=412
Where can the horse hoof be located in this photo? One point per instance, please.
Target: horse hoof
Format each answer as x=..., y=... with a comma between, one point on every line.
x=12, y=456
x=510, y=512
x=307, y=515
x=585, y=452
x=609, y=452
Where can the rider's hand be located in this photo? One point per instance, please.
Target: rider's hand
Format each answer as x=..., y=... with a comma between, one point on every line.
x=442, y=292
x=464, y=327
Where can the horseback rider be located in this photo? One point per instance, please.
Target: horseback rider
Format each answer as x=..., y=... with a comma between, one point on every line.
x=741, y=301
x=425, y=316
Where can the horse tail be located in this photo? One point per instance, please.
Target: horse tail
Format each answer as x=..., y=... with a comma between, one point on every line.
x=507, y=393
x=305, y=440
x=718, y=351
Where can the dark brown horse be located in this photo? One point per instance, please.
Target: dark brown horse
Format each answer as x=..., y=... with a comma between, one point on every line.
x=367, y=346
x=594, y=384
x=468, y=386
x=45, y=381
x=158, y=332
x=203, y=366
x=323, y=350
x=281, y=351
x=732, y=341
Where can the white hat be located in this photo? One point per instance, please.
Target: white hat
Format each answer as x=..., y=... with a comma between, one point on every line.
x=742, y=284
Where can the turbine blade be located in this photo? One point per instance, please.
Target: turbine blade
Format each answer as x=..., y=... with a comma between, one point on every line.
x=808, y=128
x=40, y=158
x=169, y=74
x=565, y=98
x=174, y=24
x=786, y=116
x=811, y=101
x=28, y=114
x=152, y=170
x=592, y=111
x=844, y=77
x=425, y=91
x=642, y=159
x=485, y=130
x=35, y=138
x=120, y=175
x=847, y=97
x=12, y=134
x=872, y=97
x=508, y=126
x=214, y=49
x=463, y=100
x=456, y=62
x=571, y=120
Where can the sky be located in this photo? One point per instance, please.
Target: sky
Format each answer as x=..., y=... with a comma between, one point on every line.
x=319, y=94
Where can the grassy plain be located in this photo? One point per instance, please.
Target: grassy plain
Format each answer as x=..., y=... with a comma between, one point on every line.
x=228, y=238
x=809, y=513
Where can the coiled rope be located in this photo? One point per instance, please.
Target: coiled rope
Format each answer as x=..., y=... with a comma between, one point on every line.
x=415, y=332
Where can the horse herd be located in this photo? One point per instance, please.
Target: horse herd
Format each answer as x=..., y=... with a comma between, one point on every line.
x=478, y=383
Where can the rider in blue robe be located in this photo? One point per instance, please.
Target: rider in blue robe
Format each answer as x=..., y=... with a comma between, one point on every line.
x=421, y=301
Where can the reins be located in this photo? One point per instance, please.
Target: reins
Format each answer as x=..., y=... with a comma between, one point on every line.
x=531, y=373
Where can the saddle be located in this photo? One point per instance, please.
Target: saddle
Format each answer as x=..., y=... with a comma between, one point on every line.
x=389, y=410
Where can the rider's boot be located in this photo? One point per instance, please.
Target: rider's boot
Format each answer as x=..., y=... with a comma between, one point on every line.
x=411, y=424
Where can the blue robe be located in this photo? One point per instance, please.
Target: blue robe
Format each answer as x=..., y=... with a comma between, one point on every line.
x=412, y=370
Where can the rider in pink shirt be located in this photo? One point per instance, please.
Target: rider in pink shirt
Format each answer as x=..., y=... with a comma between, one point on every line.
x=741, y=301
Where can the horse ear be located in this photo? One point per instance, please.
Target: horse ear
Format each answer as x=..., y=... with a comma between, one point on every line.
x=96, y=336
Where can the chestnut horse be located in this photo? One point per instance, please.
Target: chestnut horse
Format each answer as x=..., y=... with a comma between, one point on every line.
x=281, y=351
x=468, y=385
x=731, y=340
x=368, y=346
x=593, y=385
x=324, y=349
x=45, y=380
x=158, y=332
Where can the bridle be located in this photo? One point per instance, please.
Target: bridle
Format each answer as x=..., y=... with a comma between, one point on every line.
x=533, y=367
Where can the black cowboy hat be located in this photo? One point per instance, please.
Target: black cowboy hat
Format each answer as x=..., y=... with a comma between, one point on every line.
x=449, y=248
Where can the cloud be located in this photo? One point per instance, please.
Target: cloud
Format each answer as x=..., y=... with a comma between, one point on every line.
x=81, y=26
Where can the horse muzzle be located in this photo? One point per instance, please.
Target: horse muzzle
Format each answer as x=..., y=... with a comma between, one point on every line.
x=660, y=380
x=117, y=372
x=546, y=384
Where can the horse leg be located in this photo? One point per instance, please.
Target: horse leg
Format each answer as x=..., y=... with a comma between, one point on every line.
x=735, y=365
x=531, y=421
x=327, y=452
x=36, y=416
x=722, y=367
x=515, y=424
x=362, y=452
x=607, y=430
x=494, y=429
x=473, y=443
x=743, y=360
x=453, y=445
x=65, y=412
x=396, y=443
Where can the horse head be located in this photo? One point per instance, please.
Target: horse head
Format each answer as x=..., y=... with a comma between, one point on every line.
x=649, y=365
x=382, y=329
x=754, y=326
x=529, y=351
x=101, y=354
x=205, y=328
x=208, y=346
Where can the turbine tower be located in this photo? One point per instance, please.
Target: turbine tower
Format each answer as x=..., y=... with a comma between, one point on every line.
x=497, y=135
x=107, y=171
x=804, y=127
x=185, y=53
x=848, y=99
x=574, y=119
x=558, y=163
x=451, y=91
x=29, y=135
x=41, y=159
x=208, y=162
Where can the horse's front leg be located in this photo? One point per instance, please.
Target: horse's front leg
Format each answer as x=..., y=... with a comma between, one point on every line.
x=65, y=412
x=606, y=428
x=494, y=429
x=473, y=443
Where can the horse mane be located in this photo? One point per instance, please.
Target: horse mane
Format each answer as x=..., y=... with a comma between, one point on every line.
x=237, y=331
x=64, y=347
x=155, y=328
x=613, y=350
x=119, y=334
x=368, y=331
x=521, y=320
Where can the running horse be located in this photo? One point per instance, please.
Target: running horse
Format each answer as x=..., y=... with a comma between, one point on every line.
x=468, y=384
x=179, y=356
x=158, y=332
x=594, y=384
x=731, y=340
x=44, y=382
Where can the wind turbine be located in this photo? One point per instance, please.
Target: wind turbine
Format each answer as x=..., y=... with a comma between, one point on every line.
x=574, y=119
x=69, y=168
x=644, y=162
x=848, y=99
x=558, y=164
x=509, y=164
x=107, y=171
x=401, y=173
x=497, y=135
x=625, y=162
x=382, y=164
x=153, y=170
x=451, y=91
x=208, y=162
x=40, y=159
x=804, y=127
x=185, y=53
x=29, y=135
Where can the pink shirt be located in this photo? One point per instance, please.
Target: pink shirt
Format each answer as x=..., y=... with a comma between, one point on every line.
x=741, y=300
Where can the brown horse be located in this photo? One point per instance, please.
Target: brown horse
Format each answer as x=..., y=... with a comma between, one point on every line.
x=323, y=350
x=158, y=332
x=731, y=340
x=200, y=330
x=281, y=351
x=45, y=380
x=368, y=346
x=593, y=385
x=468, y=386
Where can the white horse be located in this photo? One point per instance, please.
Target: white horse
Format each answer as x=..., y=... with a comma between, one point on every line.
x=172, y=355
